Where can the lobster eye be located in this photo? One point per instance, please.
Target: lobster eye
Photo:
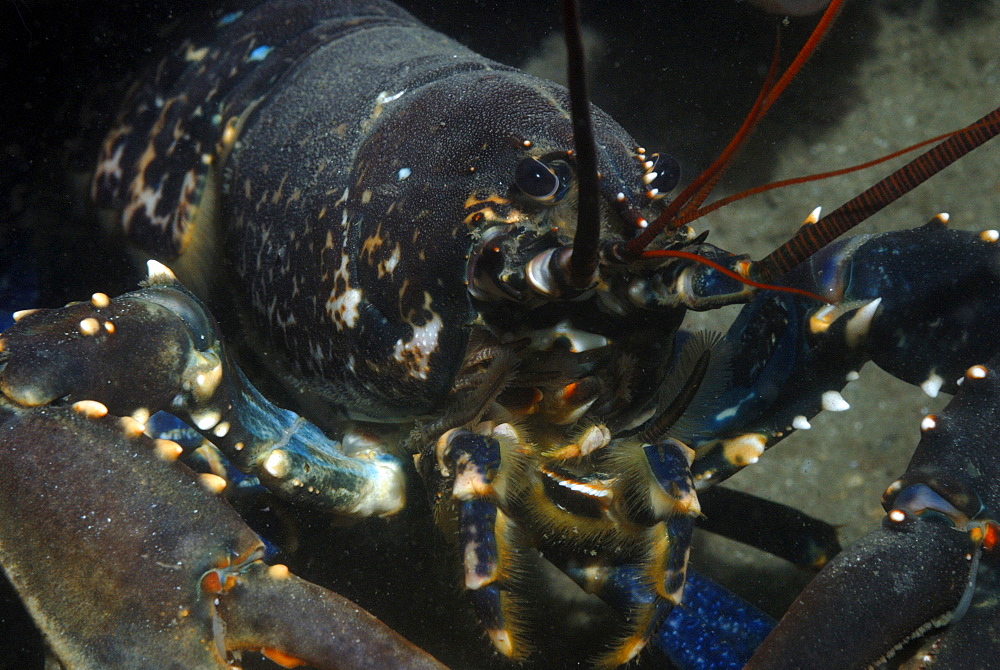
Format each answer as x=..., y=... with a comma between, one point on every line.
x=668, y=173
x=546, y=181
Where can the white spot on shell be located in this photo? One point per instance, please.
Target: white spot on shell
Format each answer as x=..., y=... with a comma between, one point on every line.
x=385, y=96
x=416, y=352
x=345, y=306
x=403, y=173
x=277, y=464
x=801, y=423
x=206, y=420
x=929, y=422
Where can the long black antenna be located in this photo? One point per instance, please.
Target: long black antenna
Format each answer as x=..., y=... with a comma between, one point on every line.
x=583, y=261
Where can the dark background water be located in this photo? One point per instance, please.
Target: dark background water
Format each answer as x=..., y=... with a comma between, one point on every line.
x=679, y=76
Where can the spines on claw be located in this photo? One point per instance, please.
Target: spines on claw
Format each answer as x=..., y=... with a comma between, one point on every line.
x=132, y=546
x=935, y=552
x=159, y=349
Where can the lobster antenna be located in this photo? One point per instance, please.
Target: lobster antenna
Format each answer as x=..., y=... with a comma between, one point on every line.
x=767, y=97
x=583, y=261
x=809, y=239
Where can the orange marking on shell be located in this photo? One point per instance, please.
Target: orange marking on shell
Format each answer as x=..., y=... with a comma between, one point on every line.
x=282, y=658
x=992, y=535
x=211, y=582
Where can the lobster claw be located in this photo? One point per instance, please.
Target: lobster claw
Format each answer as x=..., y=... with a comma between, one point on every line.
x=870, y=598
x=934, y=562
x=124, y=560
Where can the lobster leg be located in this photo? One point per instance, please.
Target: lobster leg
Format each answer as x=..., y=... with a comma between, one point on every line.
x=123, y=560
x=933, y=561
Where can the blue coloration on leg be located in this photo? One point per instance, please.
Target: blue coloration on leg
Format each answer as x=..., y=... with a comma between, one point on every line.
x=712, y=629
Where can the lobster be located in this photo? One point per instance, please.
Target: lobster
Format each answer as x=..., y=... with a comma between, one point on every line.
x=495, y=332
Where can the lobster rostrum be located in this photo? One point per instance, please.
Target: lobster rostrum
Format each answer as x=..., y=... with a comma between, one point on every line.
x=486, y=288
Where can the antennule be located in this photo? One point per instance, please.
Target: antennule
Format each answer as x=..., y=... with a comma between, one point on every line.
x=583, y=262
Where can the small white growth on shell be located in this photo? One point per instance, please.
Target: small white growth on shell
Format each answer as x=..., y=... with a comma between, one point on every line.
x=21, y=313
x=932, y=385
x=222, y=429
x=403, y=173
x=834, y=402
x=642, y=223
x=801, y=423
x=989, y=236
x=897, y=516
x=159, y=272
x=100, y=300
x=929, y=422
x=852, y=376
x=206, y=420
x=277, y=464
